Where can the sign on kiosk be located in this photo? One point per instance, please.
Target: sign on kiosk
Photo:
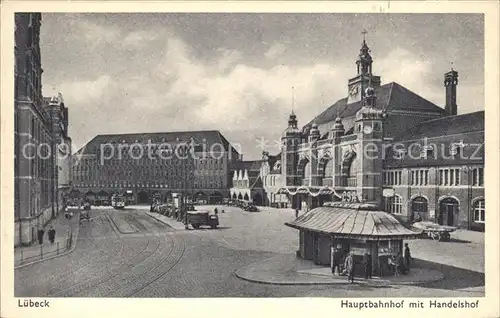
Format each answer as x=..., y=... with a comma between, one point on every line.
x=388, y=192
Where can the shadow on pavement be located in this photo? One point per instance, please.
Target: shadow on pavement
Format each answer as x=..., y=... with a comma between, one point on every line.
x=209, y=229
x=454, y=240
x=454, y=277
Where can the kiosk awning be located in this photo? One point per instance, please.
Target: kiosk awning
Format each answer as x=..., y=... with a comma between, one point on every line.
x=352, y=220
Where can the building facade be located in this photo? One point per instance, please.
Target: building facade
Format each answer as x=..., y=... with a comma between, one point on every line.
x=61, y=147
x=385, y=145
x=38, y=130
x=247, y=182
x=141, y=166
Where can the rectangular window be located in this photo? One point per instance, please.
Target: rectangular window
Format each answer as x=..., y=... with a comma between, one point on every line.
x=478, y=177
x=479, y=212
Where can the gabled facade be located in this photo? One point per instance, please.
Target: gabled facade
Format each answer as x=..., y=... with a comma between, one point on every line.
x=247, y=182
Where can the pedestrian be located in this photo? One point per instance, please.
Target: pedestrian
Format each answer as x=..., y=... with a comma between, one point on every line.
x=215, y=211
x=40, y=233
x=367, y=262
x=52, y=234
x=349, y=267
x=222, y=211
x=399, y=264
x=296, y=213
x=407, y=257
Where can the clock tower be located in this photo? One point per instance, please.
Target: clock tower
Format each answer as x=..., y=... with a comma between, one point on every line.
x=369, y=129
x=358, y=84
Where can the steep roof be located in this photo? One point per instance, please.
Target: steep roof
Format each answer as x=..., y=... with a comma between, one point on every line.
x=249, y=165
x=210, y=137
x=352, y=220
x=439, y=134
x=445, y=126
x=391, y=96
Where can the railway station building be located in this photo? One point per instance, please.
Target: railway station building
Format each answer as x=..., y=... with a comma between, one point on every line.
x=385, y=145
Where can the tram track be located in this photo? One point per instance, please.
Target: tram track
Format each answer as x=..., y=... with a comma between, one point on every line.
x=93, y=262
x=178, y=254
x=112, y=270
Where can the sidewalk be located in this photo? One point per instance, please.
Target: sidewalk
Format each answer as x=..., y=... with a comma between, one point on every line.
x=466, y=235
x=178, y=226
x=286, y=269
x=63, y=243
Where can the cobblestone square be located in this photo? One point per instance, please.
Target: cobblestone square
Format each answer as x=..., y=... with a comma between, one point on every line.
x=155, y=260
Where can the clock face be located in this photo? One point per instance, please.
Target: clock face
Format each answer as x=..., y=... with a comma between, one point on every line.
x=367, y=129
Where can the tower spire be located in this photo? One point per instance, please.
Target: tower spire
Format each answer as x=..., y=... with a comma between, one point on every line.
x=293, y=98
x=364, y=32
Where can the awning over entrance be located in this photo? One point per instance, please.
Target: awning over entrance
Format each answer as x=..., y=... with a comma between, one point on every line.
x=312, y=191
x=350, y=220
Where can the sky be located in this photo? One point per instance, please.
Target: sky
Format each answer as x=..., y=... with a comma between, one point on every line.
x=152, y=72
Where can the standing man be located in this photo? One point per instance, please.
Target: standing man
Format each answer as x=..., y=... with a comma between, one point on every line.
x=407, y=257
x=40, y=233
x=52, y=234
x=349, y=267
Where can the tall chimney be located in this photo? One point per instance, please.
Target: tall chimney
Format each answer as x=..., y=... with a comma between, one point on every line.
x=450, y=82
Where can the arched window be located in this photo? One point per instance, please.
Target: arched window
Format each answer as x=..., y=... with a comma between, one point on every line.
x=479, y=211
x=419, y=208
x=307, y=170
x=419, y=204
x=394, y=204
x=328, y=169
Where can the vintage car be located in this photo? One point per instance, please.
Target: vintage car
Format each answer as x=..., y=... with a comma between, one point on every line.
x=251, y=208
x=199, y=218
x=435, y=231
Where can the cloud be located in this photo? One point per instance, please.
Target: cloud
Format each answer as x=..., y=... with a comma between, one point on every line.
x=83, y=92
x=411, y=71
x=276, y=50
x=139, y=39
x=94, y=34
x=186, y=91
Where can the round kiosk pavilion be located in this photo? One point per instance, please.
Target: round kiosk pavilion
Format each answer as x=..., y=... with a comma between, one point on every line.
x=330, y=232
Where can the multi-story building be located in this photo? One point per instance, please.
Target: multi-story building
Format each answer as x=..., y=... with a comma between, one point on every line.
x=61, y=146
x=38, y=128
x=386, y=145
x=141, y=166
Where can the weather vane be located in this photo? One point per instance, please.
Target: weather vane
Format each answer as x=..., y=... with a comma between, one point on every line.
x=451, y=65
x=364, y=32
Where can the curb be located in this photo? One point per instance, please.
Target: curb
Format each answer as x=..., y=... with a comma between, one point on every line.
x=358, y=282
x=118, y=228
x=174, y=227
x=373, y=282
x=72, y=248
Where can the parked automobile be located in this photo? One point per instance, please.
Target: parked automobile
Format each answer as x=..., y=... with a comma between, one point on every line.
x=435, y=231
x=251, y=208
x=199, y=218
